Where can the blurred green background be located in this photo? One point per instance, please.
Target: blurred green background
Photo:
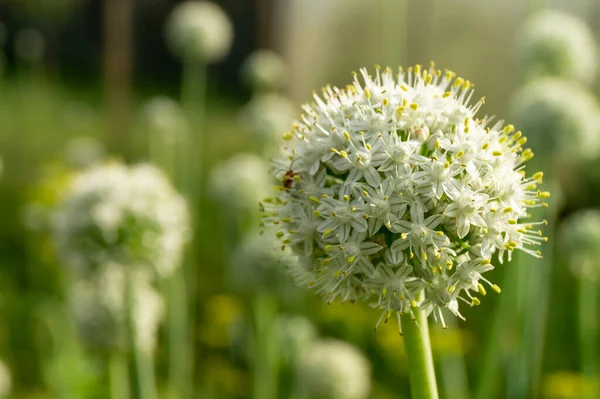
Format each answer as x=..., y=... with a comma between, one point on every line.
x=76, y=82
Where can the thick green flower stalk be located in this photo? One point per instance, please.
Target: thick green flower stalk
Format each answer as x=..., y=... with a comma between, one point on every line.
x=555, y=43
x=392, y=191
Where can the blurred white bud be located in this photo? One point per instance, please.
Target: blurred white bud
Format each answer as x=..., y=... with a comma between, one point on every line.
x=332, y=369
x=296, y=333
x=239, y=183
x=264, y=70
x=84, y=151
x=560, y=118
x=266, y=117
x=30, y=46
x=118, y=214
x=579, y=240
x=165, y=118
x=199, y=30
x=555, y=43
x=5, y=381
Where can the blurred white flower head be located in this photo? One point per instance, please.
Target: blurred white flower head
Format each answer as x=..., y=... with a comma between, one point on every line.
x=264, y=70
x=296, y=334
x=266, y=116
x=240, y=183
x=393, y=185
x=332, y=369
x=84, y=151
x=579, y=239
x=164, y=117
x=556, y=43
x=562, y=119
x=5, y=381
x=199, y=30
x=147, y=311
x=30, y=45
x=113, y=213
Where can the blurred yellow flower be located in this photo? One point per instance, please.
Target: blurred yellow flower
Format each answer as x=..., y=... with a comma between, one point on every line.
x=220, y=311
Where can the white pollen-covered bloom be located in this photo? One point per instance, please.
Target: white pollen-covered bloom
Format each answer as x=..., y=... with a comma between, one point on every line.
x=393, y=185
x=5, y=381
x=238, y=184
x=579, y=239
x=332, y=369
x=199, y=30
x=264, y=70
x=561, y=118
x=555, y=43
x=266, y=116
x=113, y=213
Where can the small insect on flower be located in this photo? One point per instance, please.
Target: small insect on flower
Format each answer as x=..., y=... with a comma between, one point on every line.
x=393, y=185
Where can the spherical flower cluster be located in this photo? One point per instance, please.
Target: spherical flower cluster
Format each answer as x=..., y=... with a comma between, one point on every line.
x=555, y=43
x=266, y=116
x=579, y=236
x=331, y=369
x=165, y=118
x=264, y=70
x=561, y=119
x=199, y=30
x=124, y=215
x=239, y=183
x=392, y=185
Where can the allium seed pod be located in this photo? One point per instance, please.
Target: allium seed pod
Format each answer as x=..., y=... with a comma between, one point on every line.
x=332, y=369
x=579, y=238
x=264, y=70
x=560, y=118
x=555, y=43
x=5, y=381
x=199, y=30
x=125, y=215
x=239, y=183
x=392, y=185
x=266, y=116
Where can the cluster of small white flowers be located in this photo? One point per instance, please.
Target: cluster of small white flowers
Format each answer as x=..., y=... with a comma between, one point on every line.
x=579, y=236
x=392, y=185
x=264, y=70
x=561, y=118
x=125, y=215
x=199, y=30
x=333, y=369
x=556, y=43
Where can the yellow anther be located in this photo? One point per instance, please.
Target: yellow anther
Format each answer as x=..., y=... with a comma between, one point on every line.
x=496, y=288
x=324, y=196
x=367, y=93
x=279, y=234
x=460, y=154
x=413, y=303
x=538, y=176
x=314, y=199
x=351, y=259
x=414, y=106
x=512, y=221
x=346, y=197
x=449, y=265
x=508, y=129
x=403, y=236
x=361, y=133
x=311, y=283
x=439, y=233
x=485, y=146
x=517, y=135
x=451, y=289
x=417, y=69
x=508, y=209
x=365, y=193
x=485, y=262
x=502, y=139
x=384, y=292
x=327, y=232
x=368, y=146
x=316, y=213
x=385, y=102
x=346, y=135
x=475, y=301
x=286, y=220
x=446, y=165
x=496, y=153
x=344, y=154
x=403, y=87
x=481, y=289
x=446, y=94
x=543, y=194
x=428, y=79
x=424, y=256
x=287, y=135
x=522, y=141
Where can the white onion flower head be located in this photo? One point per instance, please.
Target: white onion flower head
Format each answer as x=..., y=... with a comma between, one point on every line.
x=264, y=70
x=266, y=116
x=561, y=118
x=199, y=30
x=393, y=185
x=555, y=43
x=240, y=183
x=98, y=306
x=5, y=381
x=147, y=312
x=165, y=118
x=579, y=238
x=113, y=213
x=332, y=369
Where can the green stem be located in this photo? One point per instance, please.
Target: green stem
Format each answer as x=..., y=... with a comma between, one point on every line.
x=179, y=353
x=588, y=327
x=266, y=359
x=453, y=369
x=418, y=351
x=144, y=365
x=118, y=375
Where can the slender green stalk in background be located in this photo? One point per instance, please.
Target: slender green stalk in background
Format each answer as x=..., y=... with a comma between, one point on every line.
x=418, y=351
x=178, y=338
x=144, y=364
x=588, y=328
x=118, y=375
x=453, y=370
x=266, y=358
